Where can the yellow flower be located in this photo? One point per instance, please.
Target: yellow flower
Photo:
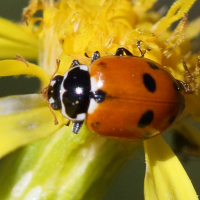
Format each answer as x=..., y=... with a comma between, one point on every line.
x=56, y=164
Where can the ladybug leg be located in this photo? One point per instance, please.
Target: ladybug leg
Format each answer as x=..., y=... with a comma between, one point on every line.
x=139, y=48
x=76, y=126
x=184, y=86
x=190, y=85
x=120, y=52
x=74, y=63
x=197, y=68
x=68, y=123
x=86, y=55
x=95, y=56
x=190, y=77
x=57, y=67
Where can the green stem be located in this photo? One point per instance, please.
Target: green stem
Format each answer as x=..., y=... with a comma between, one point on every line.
x=63, y=166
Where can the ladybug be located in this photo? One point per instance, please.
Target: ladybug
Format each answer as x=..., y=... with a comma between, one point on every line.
x=121, y=96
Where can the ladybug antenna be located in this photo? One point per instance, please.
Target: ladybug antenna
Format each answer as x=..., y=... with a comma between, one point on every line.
x=57, y=68
x=68, y=123
x=86, y=55
x=49, y=105
x=45, y=91
x=45, y=96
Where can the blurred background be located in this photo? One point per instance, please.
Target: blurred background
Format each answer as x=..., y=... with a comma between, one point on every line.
x=128, y=184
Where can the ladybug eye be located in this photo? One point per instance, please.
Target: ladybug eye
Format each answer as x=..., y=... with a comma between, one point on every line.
x=54, y=92
x=75, y=92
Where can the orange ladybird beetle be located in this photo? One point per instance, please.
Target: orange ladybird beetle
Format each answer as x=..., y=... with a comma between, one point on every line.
x=121, y=96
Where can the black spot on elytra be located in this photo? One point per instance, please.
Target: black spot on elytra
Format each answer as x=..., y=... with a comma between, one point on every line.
x=146, y=119
x=102, y=64
x=176, y=86
x=149, y=82
x=171, y=120
x=153, y=65
x=95, y=125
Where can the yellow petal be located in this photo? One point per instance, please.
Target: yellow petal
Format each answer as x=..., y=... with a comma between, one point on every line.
x=16, y=37
x=16, y=32
x=25, y=119
x=15, y=67
x=165, y=178
x=9, y=48
x=176, y=11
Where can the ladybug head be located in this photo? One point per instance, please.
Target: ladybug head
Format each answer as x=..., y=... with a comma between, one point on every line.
x=53, y=92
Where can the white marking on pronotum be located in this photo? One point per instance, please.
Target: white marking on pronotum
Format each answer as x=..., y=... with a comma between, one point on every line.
x=80, y=117
x=53, y=82
x=93, y=82
x=21, y=185
x=83, y=67
x=95, y=85
x=92, y=106
x=34, y=194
